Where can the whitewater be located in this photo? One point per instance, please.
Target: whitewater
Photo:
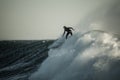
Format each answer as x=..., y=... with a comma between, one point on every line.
x=94, y=55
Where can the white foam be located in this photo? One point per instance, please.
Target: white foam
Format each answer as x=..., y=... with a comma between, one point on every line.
x=91, y=56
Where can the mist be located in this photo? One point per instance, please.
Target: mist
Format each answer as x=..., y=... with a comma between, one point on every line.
x=105, y=17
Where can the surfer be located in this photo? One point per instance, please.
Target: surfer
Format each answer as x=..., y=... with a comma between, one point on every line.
x=68, y=30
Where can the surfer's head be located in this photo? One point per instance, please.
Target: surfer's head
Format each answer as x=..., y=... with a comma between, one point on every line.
x=64, y=26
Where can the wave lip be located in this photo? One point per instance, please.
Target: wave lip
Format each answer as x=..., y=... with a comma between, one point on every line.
x=94, y=55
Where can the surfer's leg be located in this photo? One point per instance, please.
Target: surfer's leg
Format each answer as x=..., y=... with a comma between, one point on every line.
x=71, y=33
x=67, y=35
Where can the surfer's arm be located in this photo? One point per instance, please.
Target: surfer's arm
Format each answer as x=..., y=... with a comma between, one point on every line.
x=71, y=28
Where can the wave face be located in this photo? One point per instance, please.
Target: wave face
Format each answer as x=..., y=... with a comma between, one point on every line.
x=18, y=59
x=94, y=55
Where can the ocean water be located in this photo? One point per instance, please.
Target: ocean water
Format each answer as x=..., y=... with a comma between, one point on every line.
x=94, y=55
x=19, y=59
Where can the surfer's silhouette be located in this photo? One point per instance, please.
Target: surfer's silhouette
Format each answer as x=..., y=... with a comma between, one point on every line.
x=68, y=30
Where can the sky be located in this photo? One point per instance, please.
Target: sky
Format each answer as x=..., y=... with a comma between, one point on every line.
x=44, y=19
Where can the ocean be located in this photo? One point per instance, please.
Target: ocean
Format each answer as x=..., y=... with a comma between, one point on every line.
x=94, y=55
x=20, y=58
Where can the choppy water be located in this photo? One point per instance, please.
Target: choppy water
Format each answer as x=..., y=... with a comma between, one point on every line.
x=94, y=55
x=18, y=59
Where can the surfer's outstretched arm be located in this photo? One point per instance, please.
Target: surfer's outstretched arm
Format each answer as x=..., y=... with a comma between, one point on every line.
x=71, y=28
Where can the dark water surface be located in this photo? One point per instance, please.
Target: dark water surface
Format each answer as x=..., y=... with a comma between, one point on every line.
x=18, y=59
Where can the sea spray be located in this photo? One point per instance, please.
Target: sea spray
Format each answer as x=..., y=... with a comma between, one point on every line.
x=94, y=55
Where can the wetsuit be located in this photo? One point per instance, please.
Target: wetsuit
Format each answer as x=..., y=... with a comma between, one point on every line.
x=68, y=30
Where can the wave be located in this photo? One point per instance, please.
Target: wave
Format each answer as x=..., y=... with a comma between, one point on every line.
x=20, y=58
x=94, y=55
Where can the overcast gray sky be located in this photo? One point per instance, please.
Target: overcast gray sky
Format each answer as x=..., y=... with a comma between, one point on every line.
x=44, y=19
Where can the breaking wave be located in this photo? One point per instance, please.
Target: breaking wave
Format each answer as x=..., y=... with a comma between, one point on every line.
x=94, y=55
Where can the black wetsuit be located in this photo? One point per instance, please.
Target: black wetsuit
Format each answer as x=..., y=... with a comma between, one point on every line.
x=68, y=30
